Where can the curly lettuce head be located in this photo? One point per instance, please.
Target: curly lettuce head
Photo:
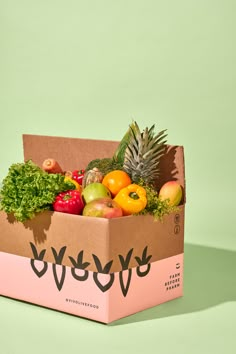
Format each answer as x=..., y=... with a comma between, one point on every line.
x=27, y=190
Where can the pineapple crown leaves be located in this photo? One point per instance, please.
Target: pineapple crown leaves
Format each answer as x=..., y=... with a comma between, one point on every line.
x=138, y=154
x=143, y=153
x=146, y=138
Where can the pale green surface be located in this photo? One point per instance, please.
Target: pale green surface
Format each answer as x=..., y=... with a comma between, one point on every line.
x=85, y=69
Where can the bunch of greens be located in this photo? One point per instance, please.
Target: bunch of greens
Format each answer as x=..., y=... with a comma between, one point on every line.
x=27, y=190
x=156, y=206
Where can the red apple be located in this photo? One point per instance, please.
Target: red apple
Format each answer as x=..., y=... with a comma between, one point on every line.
x=171, y=190
x=103, y=208
x=94, y=191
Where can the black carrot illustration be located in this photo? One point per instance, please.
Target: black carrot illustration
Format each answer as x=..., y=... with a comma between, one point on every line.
x=103, y=270
x=125, y=265
x=143, y=261
x=58, y=259
x=38, y=257
x=79, y=265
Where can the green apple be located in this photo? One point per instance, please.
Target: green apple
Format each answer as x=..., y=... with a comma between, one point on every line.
x=94, y=191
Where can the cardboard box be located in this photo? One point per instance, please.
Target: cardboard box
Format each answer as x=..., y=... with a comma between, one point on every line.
x=101, y=269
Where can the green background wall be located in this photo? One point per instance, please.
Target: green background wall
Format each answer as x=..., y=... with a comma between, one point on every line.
x=87, y=68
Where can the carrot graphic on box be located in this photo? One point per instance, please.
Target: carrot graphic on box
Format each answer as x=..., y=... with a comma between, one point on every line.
x=143, y=261
x=59, y=280
x=103, y=270
x=125, y=265
x=79, y=265
x=38, y=257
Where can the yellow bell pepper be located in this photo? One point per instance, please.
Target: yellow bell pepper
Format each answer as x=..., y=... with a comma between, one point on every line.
x=78, y=187
x=132, y=199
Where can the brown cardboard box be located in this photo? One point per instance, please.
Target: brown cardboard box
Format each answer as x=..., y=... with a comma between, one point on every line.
x=102, y=269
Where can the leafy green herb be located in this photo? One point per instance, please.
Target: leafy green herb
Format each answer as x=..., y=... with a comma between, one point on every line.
x=155, y=206
x=27, y=190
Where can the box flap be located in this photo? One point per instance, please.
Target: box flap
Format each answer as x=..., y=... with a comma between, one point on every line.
x=76, y=153
x=71, y=153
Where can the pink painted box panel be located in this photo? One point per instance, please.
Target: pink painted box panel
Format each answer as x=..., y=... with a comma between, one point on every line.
x=101, y=297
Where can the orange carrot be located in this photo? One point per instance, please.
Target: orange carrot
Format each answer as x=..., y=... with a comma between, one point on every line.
x=50, y=165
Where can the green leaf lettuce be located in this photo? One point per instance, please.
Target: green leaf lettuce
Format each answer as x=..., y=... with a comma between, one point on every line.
x=27, y=190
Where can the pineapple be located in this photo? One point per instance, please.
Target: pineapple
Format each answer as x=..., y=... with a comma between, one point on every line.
x=138, y=154
x=143, y=153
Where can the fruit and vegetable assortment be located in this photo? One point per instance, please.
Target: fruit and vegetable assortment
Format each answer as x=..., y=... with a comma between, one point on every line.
x=116, y=186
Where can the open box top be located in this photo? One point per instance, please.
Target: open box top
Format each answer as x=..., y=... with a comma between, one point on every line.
x=76, y=153
x=106, y=239
x=98, y=268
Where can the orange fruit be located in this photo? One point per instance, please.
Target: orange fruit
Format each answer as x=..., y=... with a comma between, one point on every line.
x=116, y=180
